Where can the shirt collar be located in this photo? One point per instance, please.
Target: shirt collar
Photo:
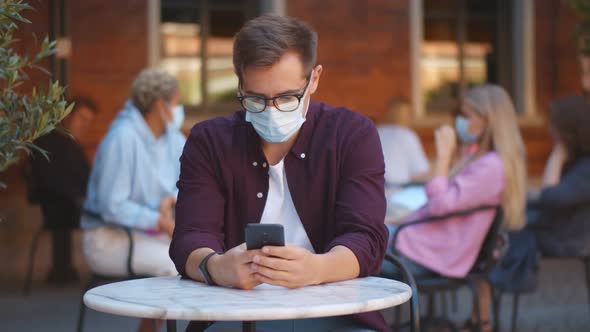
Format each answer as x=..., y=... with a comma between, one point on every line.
x=300, y=149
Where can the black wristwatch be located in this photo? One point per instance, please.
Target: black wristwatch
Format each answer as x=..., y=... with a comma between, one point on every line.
x=204, y=272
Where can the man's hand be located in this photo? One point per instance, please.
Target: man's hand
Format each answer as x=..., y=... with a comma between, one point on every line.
x=233, y=268
x=290, y=266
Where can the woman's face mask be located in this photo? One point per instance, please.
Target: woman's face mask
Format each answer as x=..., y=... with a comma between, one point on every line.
x=469, y=126
x=175, y=123
x=462, y=128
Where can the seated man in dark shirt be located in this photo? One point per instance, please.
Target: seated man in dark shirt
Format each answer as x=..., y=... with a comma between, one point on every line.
x=59, y=183
x=316, y=169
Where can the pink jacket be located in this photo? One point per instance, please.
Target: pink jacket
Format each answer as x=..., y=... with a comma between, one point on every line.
x=450, y=247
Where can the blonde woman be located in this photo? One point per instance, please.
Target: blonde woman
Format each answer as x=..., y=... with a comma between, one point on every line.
x=491, y=171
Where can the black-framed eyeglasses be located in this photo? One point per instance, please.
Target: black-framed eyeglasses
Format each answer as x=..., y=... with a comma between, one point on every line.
x=284, y=103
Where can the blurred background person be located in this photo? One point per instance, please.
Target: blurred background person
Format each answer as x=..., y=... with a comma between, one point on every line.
x=58, y=184
x=133, y=183
x=405, y=160
x=492, y=175
x=560, y=215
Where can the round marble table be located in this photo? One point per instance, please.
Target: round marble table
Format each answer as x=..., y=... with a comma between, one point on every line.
x=172, y=298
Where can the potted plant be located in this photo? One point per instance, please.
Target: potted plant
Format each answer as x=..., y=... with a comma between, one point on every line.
x=582, y=33
x=24, y=117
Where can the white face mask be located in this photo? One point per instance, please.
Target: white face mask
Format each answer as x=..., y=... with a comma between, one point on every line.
x=275, y=126
x=177, y=118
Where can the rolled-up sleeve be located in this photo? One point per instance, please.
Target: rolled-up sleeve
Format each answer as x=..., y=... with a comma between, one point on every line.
x=360, y=200
x=200, y=205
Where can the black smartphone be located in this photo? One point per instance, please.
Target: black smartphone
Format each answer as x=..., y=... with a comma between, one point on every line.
x=260, y=235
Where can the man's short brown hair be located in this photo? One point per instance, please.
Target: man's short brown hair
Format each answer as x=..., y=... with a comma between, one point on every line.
x=264, y=40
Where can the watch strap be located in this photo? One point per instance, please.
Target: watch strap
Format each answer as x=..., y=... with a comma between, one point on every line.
x=205, y=271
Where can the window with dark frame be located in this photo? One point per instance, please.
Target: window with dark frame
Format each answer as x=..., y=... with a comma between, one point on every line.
x=196, y=40
x=466, y=42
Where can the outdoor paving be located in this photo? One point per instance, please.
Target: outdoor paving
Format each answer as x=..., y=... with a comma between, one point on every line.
x=560, y=303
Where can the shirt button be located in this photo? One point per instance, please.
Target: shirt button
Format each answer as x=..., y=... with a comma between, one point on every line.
x=259, y=195
x=254, y=164
x=264, y=165
x=303, y=155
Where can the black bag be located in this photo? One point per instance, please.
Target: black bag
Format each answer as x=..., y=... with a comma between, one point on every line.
x=517, y=271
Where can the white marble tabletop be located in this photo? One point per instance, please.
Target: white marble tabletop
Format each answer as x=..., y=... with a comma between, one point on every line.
x=173, y=298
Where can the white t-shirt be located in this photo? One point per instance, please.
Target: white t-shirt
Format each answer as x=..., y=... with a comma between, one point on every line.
x=279, y=208
x=403, y=153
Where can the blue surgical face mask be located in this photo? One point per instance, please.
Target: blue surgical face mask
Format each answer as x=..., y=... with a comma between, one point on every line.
x=177, y=118
x=462, y=127
x=275, y=126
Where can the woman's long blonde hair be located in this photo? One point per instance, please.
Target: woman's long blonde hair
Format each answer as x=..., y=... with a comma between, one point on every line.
x=503, y=136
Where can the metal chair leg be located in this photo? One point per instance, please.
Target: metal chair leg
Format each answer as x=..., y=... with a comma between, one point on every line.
x=443, y=298
x=414, y=300
x=587, y=272
x=455, y=300
x=81, y=315
x=430, y=309
x=29, y=275
x=82, y=311
x=475, y=299
x=496, y=299
x=514, y=311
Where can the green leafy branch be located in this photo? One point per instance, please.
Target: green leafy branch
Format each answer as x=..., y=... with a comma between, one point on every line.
x=24, y=118
x=582, y=32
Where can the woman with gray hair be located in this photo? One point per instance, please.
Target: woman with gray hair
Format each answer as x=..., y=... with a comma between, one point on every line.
x=133, y=181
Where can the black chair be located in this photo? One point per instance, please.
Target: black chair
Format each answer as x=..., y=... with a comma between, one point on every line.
x=97, y=279
x=487, y=259
x=516, y=296
x=61, y=238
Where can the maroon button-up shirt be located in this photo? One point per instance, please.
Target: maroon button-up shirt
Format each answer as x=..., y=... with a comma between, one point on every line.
x=335, y=175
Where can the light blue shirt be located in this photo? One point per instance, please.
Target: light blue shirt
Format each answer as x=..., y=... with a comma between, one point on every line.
x=132, y=172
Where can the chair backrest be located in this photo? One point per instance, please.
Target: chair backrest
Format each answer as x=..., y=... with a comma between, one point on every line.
x=494, y=245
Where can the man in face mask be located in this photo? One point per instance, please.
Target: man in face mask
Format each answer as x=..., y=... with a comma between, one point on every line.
x=315, y=169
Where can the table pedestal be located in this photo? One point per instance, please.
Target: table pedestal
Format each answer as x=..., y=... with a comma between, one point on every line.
x=246, y=326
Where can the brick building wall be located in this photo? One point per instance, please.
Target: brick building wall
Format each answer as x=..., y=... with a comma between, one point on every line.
x=109, y=48
x=364, y=48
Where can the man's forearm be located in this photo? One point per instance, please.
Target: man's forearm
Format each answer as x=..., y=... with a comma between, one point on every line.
x=340, y=263
x=193, y=261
